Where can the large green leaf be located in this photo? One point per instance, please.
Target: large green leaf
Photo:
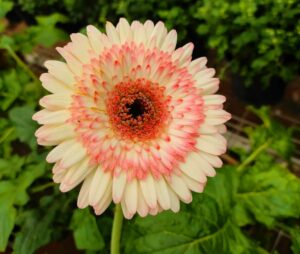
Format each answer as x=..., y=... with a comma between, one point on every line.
x=204, y=226
x=14, y=192
x=7, y=212
x=10, y=167
x=35, y=230
x=24, y=180
x=25, y=126
x=44, y=33
x=267, y=192
x=7, y=222
x=85, y=231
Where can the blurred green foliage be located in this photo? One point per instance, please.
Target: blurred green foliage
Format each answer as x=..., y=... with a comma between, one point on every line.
x=260, y=190
x=260, y=39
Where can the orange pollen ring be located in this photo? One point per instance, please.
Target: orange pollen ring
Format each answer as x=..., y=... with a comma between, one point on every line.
x=138, y=110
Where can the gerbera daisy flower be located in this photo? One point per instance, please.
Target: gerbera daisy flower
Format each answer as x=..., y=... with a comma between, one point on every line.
x=133, y=119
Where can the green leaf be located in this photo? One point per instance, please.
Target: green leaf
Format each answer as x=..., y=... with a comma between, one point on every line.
x=51, y=20
x=268, y=192
x=280, y=136
x=24, y=180
x=7, y=222
x=46, y=33
x=35, y=231
x=6, y=42
x=5, y=7
x=85, y=231
x=295, y=234
x=21, y=117
x=204, y=226
x=15, y=191
x=7, y=193
x=10, y=167
x=10, y=88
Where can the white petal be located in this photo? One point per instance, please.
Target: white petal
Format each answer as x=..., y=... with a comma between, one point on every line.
x=131, y=196
x=216, y=117
x=180, y=188
x=53, y=85
x=99, y=185
x=60, y=71
x=221, y=128
x=75, y=153
x=215, y=99
x=149, y=26
x=202, y=77
x=58, y=152
x=139, y=33
x=142, y=207
x=53, y=135
x=210, y=87
x=124, y=30
x=112, y=33
x=119, y=183
x=159, y=33
x=105, y=201
x=193, y=185
x=170, y=41
x=75, y=175
x=203, y=165
x=148, y=190
x=192, y=169
x=58, y=177
x=162, y=193
x=51, y=117
x=80, y=47
x=207, y=129
x=175, y=203
x=83, y=197
x=73, y=63
x=154, y=211
x=56, y=101
x=197, y=65
x=126, y=213
x=214, y=160
x=184, y=54
x=94, y=36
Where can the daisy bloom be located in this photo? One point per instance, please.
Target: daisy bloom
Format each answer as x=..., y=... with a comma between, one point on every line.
x=133, y=119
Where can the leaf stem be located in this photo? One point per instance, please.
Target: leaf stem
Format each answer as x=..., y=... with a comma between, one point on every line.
x=116, y=230
x=43, y=187
x=253, y=155
x=20, y=62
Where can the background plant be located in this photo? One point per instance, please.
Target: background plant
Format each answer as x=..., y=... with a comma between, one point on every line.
x=260, y=39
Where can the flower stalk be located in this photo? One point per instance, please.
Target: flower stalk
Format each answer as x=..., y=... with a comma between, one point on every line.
x=253, y=155
x=116, y=230
x=20, y=62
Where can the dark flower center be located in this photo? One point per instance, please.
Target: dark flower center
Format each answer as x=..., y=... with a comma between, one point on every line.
x=136, y=109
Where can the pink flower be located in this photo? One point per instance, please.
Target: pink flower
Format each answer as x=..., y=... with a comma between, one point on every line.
x=132, y=118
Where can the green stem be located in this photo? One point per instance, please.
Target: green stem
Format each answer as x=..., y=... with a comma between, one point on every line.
x=6, y=134
x=42, y=187
x=20, y=62
x=253, y=155
x=116, y=230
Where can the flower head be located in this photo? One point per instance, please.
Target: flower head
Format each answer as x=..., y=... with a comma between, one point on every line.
x=132, y=118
